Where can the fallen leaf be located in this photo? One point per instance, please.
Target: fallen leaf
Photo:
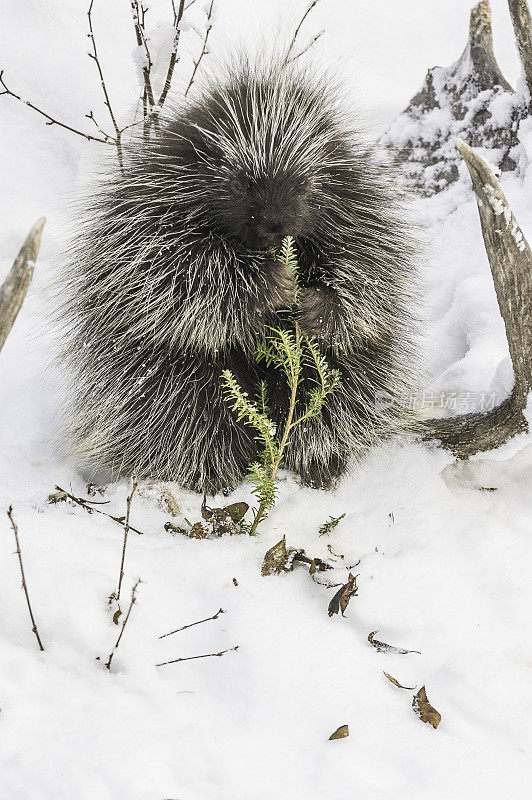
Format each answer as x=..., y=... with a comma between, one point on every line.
x=278, y=558
x=222, y=522
x=342, y=597
x=57, y=497
x=171, y=528
x=382, y=647
x=198, y=531
x=396, y=683
x=340, y=733
x=237, y=511
x=424, y=710
x=161, y=496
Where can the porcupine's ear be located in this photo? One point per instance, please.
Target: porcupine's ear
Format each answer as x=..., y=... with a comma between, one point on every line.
x=432, y=165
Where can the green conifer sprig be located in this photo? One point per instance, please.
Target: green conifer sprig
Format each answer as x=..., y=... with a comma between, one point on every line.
x=290, y=351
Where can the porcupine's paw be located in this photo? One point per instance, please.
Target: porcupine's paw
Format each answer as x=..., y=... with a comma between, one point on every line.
x=324, y=474
x=318, y=312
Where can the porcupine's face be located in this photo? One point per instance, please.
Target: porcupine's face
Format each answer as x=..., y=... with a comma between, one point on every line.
x=261, y=211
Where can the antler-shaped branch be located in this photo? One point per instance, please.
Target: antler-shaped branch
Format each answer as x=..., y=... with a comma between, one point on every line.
x=522, y=23
x=13, y=290
x=510, y=259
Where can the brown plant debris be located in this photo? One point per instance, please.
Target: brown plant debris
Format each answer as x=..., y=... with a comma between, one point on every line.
x=278, y=558
x=340, y=733
x=159, y=494
x=171, y=528
x=424, y=710
x=281, y=558
x=342, y=597
x=382, y=647
x=396, y=683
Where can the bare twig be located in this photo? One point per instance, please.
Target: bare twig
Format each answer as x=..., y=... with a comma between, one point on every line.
x=174, y=58
x=24, y=584
x=191, y=658
x=88, y=506
x=134, y=485
x=306, y=48
x=13, y=290
x=51, y=120
x=115, y=648
x=291, y=46
x=140, y=33
x=107, y=100
x=204, y=50
x=191, y=625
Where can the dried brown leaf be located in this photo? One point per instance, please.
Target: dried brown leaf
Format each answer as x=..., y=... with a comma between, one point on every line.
x=396, y=683
x=342, y=597
x=162, y=497
x=198, y=531
x=116, y=616
x=424, y=710
x=57, y=497
x=382, y=647
x=237, y=511
x=171, y=528
x=278, y=558
x=340, y=733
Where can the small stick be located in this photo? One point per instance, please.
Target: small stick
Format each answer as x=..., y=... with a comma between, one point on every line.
x=191, y=625
x=51, y=120
x=88, y=506
x=115, y=648
x=296, y=32
x=134, y=485
x=24, y=584
x=204, y=50
x=191, y=658
x=178, y=15
x=94, y=55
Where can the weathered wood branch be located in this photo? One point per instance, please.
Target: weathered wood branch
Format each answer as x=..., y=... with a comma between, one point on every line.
x=461, y=100
x=510, y=259
x=522, y=23
x=480, y=49
x=13, y=291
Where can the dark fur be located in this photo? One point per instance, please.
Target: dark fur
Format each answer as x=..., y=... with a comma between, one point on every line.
x=174, y=281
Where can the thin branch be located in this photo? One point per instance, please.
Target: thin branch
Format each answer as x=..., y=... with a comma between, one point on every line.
x=24, y=584
x=14, y=289
x=88, y=506
x=306, y=48
x=191, y=625
x=107, y=100
x=178, y=16
x=309, y=8
x=134, y=485
x=115, y=648
x=51, y=120
x=140, y=33
x=204, y=50
x=191, y=658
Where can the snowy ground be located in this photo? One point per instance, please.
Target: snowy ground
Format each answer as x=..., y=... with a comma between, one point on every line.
x=443, y=564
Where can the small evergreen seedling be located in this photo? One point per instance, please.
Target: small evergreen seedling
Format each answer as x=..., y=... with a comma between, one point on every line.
x=290, y=351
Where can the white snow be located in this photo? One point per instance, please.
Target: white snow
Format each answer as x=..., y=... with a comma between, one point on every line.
x=444, y=564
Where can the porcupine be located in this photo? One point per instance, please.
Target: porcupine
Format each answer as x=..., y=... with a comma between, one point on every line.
x=173, y=278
